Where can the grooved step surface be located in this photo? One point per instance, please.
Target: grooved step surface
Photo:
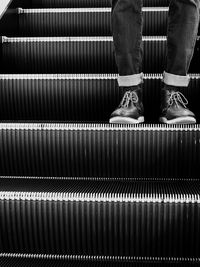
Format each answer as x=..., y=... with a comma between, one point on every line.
x=97, y=189
x=11, y=261
x=101, y=219
x=78, y=97
x=75, y=22
x=88, y=150
x=78, y=55
x=79, y=3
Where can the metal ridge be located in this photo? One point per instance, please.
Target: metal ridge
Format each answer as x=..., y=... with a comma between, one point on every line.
x=82, y=10
x=100, y=179
x=6, y=39
x=101, y=197
x=82, y=76
x=97, y=127
x=101, y=258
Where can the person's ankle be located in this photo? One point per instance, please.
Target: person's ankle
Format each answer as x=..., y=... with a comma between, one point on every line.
x=171, y=88
x=132, y=88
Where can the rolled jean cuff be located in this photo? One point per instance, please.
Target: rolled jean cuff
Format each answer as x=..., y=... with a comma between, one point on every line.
x=130, y=80
x=176, y=80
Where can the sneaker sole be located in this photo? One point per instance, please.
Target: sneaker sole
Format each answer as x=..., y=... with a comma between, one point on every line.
x=126, y=120
x=181, y=120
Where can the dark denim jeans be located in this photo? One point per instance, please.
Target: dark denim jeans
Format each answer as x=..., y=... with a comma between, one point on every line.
x=127, y=23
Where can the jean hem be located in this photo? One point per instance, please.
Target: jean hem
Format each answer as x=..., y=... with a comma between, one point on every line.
x=176, y=80
x=130, y=80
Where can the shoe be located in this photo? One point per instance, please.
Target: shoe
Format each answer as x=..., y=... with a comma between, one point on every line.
x=130, y=110
x=173, y=108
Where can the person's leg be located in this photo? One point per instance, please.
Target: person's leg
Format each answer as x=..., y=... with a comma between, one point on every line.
x=182, y=34
x=127, y=22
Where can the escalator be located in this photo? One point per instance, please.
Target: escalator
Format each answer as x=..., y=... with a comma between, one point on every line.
x=75, y=190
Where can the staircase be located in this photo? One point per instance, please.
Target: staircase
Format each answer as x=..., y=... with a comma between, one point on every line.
x=74, y=190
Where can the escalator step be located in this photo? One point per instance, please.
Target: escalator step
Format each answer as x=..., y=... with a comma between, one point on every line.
x=98, y=150
x=88, y=98
x=75, y=22
x=78, y=3
x=78, y=55
x=101, y=220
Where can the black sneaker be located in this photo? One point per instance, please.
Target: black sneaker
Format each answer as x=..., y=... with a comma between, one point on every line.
x=173, y=108
x=130, y=110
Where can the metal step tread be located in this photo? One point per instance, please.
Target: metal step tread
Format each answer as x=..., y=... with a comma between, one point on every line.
x=101, y=220
x=70, y=189
x=76, y=97
x=100, y=150
x=78, y=55
x=75, y=22
x=35, y=260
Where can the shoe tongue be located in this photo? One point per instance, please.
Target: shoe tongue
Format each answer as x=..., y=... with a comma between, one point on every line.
x=172, y=91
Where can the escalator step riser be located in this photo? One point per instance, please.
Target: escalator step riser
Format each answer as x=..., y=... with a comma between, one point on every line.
x=89, y=98
x=85, y=22
x=79, y=3
x=53, y=224
x=100, y=151
x=78, y=55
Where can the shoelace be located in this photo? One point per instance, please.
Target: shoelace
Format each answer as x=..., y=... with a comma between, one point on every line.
x=177, y=97
x=129, y=96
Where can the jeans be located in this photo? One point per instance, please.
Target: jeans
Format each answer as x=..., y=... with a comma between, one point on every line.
x=127, y=23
